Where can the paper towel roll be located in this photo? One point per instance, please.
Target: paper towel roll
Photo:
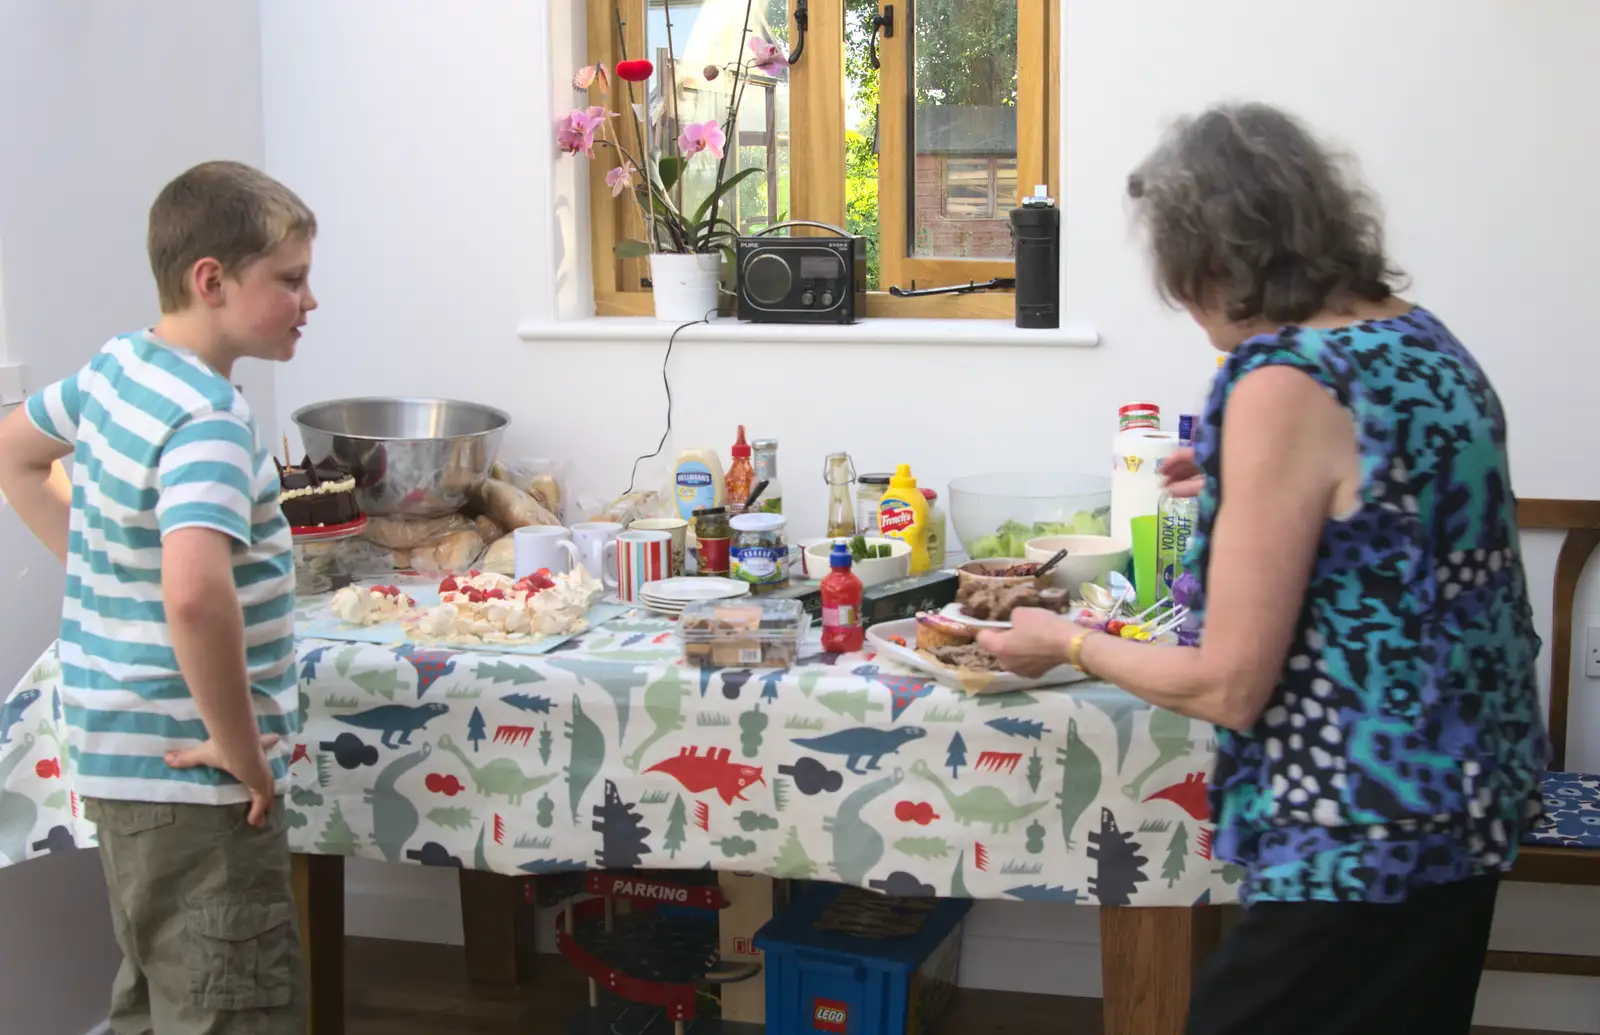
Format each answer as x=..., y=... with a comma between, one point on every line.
x=1136, y=482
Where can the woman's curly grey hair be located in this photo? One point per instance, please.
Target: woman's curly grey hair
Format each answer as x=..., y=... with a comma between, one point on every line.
x=1247, y=211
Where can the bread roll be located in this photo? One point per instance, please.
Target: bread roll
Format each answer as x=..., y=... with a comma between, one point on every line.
x=509, y=506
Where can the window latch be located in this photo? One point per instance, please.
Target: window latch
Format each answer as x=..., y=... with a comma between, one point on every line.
x=884, y=21
x=802, y=22
x=997, y=284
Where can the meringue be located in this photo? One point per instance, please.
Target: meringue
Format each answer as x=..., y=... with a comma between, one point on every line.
x=357, y=605
x=517, y=611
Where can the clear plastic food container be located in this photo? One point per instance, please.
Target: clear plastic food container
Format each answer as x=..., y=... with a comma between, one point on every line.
x=748, y=632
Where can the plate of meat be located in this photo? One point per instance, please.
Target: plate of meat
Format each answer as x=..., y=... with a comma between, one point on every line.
x=944, y=649
x=990, y=606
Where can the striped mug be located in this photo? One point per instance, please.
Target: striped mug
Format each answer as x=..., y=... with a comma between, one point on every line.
x=641, y=557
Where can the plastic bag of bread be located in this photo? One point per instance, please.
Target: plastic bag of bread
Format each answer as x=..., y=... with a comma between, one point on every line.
x=630, y=507
x=451, y=553
x=544, y=480
x=487, y=528
x=501, y=557
x=510, y=507
x=405, y=533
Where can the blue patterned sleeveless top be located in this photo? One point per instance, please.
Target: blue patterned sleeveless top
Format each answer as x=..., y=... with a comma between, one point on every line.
x=1403, y=745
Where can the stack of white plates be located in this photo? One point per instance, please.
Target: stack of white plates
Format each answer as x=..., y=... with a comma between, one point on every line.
x=671, y=596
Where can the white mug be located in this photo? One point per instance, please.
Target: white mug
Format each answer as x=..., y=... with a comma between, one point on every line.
x=591, y=538
x=543, y=546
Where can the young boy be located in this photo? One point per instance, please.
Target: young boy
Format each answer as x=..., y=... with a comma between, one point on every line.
x=177, y=638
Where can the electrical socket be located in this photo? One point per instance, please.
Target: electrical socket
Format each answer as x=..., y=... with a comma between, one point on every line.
x=1591, y=652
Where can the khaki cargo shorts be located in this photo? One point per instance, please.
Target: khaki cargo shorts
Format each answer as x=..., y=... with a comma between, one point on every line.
x=202, y=909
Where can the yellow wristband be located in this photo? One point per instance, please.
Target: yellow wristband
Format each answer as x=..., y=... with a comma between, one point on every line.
x=1075, y=650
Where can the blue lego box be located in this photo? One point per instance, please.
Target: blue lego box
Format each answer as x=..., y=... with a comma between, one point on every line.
x=844, y=961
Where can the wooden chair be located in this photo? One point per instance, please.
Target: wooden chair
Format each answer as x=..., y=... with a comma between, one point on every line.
x=1543, y=863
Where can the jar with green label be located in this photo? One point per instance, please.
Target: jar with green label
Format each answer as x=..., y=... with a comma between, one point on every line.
x=760, y=554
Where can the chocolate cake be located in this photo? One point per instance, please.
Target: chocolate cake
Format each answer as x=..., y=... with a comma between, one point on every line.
x=317, y=495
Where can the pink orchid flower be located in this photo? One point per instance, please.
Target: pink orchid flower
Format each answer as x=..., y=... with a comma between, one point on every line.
x=588, y=75
x=575, y=132
x=702, y=136
x=620, y=178
x=767, y=55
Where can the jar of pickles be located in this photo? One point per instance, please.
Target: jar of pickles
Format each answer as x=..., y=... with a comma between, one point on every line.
x=760, y=554
x=716, y=539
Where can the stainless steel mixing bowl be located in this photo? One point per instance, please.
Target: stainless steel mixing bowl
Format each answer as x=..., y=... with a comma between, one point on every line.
x=410, y=457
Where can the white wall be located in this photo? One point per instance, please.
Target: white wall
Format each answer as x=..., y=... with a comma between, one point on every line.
x=101, y=102
x=420, y=132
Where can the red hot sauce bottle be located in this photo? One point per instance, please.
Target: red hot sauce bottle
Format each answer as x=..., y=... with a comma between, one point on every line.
x=841, y=605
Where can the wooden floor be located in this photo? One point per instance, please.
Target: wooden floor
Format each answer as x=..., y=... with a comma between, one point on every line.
x=413, y=988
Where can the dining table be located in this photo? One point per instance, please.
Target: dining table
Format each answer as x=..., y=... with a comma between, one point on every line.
x=608, y=751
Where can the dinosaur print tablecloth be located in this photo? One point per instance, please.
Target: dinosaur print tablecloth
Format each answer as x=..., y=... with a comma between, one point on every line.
x=610, y=753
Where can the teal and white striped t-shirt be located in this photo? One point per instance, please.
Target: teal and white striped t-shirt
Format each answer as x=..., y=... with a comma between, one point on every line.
x=161, y=442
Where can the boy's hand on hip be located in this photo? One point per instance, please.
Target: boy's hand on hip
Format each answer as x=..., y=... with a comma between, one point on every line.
x=253, y=771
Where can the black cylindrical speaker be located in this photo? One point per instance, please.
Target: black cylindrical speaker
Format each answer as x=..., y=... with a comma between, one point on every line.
x=1037, y=228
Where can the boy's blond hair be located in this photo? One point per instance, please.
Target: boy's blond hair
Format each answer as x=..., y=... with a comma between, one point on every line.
x=220, y=210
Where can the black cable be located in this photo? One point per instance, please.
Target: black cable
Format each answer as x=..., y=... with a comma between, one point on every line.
x=667, y=384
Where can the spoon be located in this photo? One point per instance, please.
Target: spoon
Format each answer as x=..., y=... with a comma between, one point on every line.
x=755, y=494
x=1100, y=598
x=1044, y=569
x=1097, y=596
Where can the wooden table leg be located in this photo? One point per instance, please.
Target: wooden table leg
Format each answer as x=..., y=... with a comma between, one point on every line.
x=1148, y=961
x=319, y=898
x=499, y=916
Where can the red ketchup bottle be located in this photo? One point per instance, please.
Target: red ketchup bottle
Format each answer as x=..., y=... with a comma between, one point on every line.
x=841, y=605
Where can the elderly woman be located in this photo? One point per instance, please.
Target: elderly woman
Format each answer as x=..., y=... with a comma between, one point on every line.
x=1368, y=649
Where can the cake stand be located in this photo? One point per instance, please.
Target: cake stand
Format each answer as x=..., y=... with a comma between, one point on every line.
x=316, y=568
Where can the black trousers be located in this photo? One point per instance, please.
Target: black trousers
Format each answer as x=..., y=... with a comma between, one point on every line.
x=1336, y=968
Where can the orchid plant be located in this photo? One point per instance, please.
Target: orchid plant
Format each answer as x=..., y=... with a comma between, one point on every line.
x=669, y=228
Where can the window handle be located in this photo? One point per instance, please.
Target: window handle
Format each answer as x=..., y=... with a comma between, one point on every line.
x=802, y=22
x=884, y=21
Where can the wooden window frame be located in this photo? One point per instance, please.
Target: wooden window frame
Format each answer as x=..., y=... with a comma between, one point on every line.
x=817, y=182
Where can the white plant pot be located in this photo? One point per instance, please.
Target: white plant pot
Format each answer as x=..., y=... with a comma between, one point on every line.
x=685, y=286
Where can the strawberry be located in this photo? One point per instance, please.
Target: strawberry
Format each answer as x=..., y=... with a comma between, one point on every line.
x=495, y=594
x=474, y=573
x=448, y=584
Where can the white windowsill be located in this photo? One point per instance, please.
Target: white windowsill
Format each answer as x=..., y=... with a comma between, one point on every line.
x=880, y=331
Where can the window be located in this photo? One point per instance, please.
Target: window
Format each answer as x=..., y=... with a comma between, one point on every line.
x=974, y=188
x=924, y=155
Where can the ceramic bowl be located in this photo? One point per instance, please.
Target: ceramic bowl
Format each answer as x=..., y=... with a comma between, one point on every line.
x=814, y=561
x=971, y=575
x=1090, y=558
